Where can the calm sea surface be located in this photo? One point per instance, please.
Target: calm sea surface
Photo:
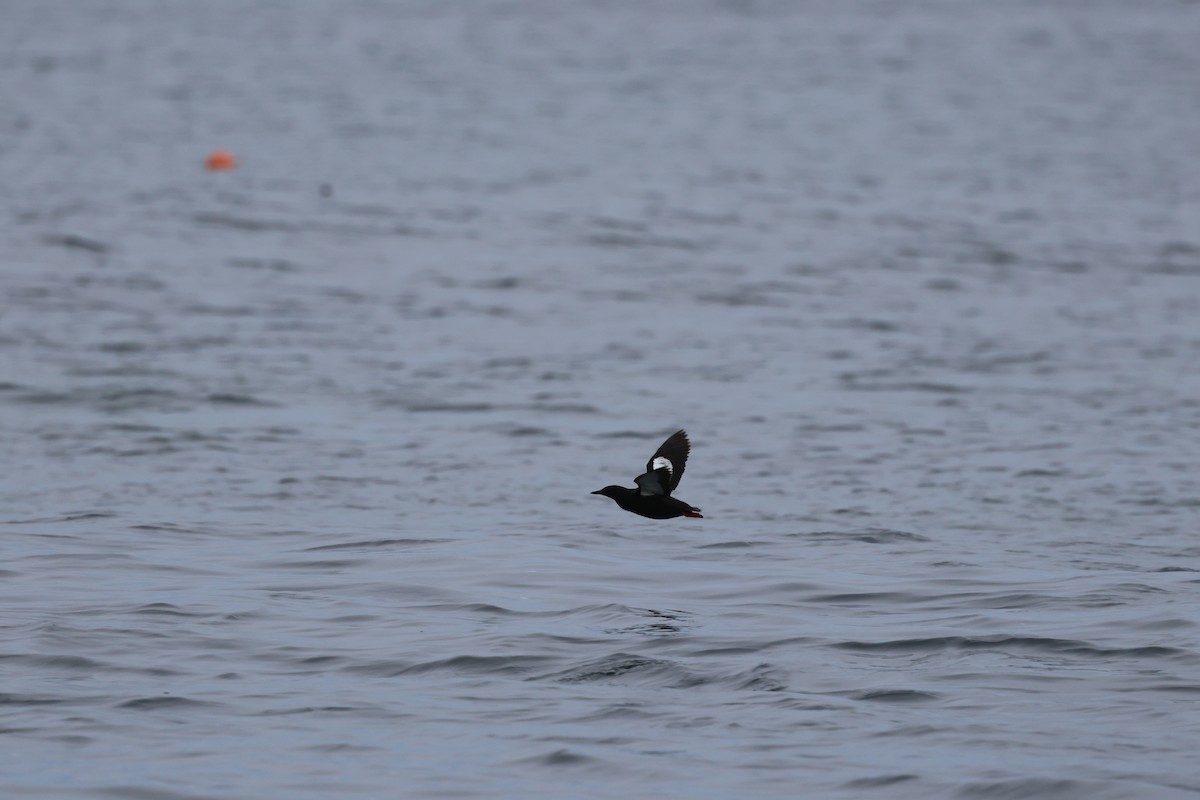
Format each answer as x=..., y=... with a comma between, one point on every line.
x=296, y=459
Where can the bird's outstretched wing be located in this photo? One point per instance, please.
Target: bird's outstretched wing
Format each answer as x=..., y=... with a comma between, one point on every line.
x=665, y=467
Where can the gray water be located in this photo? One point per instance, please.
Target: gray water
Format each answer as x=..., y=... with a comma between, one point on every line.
x=297, y=458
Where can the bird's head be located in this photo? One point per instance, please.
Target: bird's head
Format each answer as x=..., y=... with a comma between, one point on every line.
x=612, y=491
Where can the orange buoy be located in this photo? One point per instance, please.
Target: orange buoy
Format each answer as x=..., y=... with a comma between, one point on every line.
x=220, y=161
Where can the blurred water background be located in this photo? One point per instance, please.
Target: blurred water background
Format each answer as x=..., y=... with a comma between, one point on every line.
x=296, y=458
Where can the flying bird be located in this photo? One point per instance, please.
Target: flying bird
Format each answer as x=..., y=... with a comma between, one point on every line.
x=652, y=497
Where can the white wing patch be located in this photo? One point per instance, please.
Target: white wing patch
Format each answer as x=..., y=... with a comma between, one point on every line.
x=651, y=483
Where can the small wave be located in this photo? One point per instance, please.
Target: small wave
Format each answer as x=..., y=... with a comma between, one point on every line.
x=851, y=382
x=121, y=347
x=1160, y=502
x=562, y=758
x=1180, y=688
x=762, y=678
x=170, y=701
x=363, y=480
x=166, y=610
x=521, y=431
x=895, y=695
x=867, y=535
x=341, y=747
x=1042, y=788
x=272, y=264
x=9, y=699
x=1117, y=595
x=1008, y=600
x=79, y=664
x=623, y=240
x=908, y=732
x=627, y=668
x=54, y=662
x=867, y=324
x=168, y=527
x=878, y=781
x=468, y=665
x=563, y=408
x=626, y=435
x=868, y=598
x=1041, y=473
x=228, y=399
x=243, y=223
x=331, y=564
x=455, y=408
x=747, y=647
x=627, y=710
x=64, y=518
x=374, y=544
x=111, y=399
x=654, y=623
x=732, y=545
x=1029, y=643
x=847, y=427
x=144, y=793
x=74, y=241
x=483, y=608
x=742, y=297
x=504, y=284
x=357, y=711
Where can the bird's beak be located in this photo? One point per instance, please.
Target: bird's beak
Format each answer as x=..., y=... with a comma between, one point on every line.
x=598, y=491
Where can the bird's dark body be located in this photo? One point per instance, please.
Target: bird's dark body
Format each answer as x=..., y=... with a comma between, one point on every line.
x=653, y=498
x=654, y=507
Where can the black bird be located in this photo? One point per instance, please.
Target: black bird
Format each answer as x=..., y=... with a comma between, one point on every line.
x=653, y=498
